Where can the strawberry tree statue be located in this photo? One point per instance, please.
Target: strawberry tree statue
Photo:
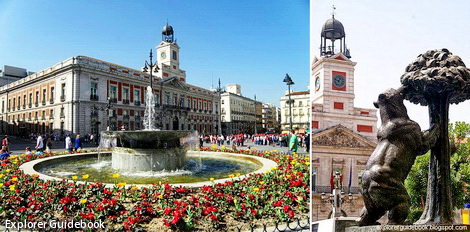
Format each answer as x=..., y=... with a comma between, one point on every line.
x=437, y=79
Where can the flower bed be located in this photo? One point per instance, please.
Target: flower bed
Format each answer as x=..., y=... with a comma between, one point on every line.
x=279, y=194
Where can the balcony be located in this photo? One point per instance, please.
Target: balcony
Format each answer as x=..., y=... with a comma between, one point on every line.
x=125, y=101
x=94, y=97
x=36, y=104
x=62, y=115
x=29, y=118
x=43, y=102
x=126, y=117
x=35, y=118
x=30, y=105
x=113, y=100
x=137, y=103
x=62, y=98
x=51, y=100
x=51, y=116
x=18, y=108
x=43, y=118
x=24, y=106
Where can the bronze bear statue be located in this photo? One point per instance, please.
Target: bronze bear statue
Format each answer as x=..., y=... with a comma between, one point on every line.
x=400, y=141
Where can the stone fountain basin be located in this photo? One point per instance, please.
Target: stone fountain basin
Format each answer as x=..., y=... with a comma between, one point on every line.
x=31, y=167
x=147, y=139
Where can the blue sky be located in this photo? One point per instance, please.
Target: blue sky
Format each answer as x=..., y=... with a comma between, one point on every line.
x=251, y=43
x=385, y=36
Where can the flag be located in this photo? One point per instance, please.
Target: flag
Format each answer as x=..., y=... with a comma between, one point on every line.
x=350, y=177
x=332, y=180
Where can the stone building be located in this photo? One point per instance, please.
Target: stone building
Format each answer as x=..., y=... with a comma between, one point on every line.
x=11, y=74
x=300, y=104
x=343, y=136
x=86, y=95
x=239, y=114
x=270, y=119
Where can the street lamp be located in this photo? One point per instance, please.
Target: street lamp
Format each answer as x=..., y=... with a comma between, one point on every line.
x=106, y=108
x=289, y=82
x=151, y=65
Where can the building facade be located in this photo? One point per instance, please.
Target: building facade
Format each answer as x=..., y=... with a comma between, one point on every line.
x=343, y=136
x=239, y=114
x=270, y=119
x=300, y=106
x=83, y=95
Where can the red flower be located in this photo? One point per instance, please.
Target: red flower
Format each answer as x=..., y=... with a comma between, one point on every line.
x=286, y=208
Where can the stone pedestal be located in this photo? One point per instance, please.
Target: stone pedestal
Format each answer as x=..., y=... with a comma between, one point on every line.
x=131, y=160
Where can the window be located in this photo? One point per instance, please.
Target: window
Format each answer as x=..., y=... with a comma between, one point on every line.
x=174, y=55
x=93, y=88
x=167, y=99
x=24, y=101
x=300, y=103
x=37, y=98
x=51, y=115
x=189, y=103
x=44, y=96
x=136, y=96
x=113, y=93
x=14, y=103
x=62, y=91
x=30, y=99
x=125, y=93
x=52, y=94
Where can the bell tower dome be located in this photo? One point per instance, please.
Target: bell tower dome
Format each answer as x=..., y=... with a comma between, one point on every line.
x=168, y=55
x=331, y=31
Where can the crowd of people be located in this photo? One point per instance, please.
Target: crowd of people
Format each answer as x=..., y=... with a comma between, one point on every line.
x=237, y=140
x=45, y=142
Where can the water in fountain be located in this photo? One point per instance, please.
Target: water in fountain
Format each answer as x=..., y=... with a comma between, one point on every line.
x=149, y=110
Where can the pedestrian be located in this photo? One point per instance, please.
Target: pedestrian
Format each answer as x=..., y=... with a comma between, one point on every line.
x=49, y=145
x=4, y=154
x=293, y=142
x=28, y=151
x=6, y=142
x=307, y=142
x=78, y=143
x=68, y=143
x=40, y=143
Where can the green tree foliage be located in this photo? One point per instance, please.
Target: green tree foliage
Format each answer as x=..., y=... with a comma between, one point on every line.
x=460, y=172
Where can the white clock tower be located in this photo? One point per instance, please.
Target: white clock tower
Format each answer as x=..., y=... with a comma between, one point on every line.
x=332, y=82
x=168, y=56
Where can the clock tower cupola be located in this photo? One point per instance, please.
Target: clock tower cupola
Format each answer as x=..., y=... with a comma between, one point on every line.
x=168, y=55
x=332, y=82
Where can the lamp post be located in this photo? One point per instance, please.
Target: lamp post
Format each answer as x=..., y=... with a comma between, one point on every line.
x=256, y=131
x=289, y=82
x=106, y=108
x=153, y=68
x=151, y=65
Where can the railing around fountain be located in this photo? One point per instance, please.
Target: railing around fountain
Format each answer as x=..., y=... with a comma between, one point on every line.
x=298, y=224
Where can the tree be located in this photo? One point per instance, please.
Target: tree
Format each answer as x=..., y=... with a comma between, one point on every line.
x=437, y=78
x=460, y=172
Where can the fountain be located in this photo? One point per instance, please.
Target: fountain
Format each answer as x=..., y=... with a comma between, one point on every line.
x=149, y=156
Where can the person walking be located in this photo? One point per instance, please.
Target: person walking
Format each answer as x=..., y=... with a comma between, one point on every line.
x=78, y=143
x=293, y=142
x=307, y=142
x=6, y=143
x=49, y=145
x=4, y=155
x=40, y=143
x=68, y=143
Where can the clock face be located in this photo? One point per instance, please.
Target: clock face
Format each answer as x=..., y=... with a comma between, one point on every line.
x=163, y=55
x=317, y=83
x=339, y=81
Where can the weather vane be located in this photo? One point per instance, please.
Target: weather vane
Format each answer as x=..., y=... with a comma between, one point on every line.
x=333, y=11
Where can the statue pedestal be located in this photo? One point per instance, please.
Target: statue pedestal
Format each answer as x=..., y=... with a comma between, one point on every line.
x=409, y=228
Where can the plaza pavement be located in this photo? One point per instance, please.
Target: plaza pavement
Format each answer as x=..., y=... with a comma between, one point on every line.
x=18, y=145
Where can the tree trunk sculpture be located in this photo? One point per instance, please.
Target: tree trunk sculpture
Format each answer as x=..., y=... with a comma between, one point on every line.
x=437, y=78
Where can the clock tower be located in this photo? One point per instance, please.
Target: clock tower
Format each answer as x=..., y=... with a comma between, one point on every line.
x=332, y=83
x=168, y=56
